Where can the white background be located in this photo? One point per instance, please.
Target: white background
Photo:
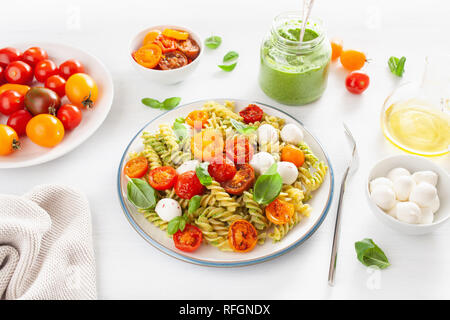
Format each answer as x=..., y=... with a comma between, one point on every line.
x=127, y=266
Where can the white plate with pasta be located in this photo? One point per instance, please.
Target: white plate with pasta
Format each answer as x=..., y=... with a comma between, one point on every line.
x=236, y=218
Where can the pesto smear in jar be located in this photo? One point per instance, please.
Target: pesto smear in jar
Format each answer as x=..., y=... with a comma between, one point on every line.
x=291, y=73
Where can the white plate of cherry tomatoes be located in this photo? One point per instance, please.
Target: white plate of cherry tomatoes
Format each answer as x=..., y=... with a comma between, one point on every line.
x=52, y=98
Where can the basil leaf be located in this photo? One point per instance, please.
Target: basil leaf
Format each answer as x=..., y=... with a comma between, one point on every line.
x=268, y=186
x=152, y=103
x=227, y=67
x=397, y=66
x=232, y=55
x=180, y=120
x=182, y=224
x=203, y=174
x=171, y=103
x=370, y=254
x=173, y=225
x=180, y=131
x=242, y=128
x=194, y=204
x=141, y=194
x=213, y=42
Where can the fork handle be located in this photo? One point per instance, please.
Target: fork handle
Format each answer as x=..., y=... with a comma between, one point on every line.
x=337, y=227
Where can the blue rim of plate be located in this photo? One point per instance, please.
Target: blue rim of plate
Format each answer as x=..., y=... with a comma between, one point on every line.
x=184, y=258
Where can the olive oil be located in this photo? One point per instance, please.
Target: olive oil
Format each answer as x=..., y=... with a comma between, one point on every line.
x=417, y=128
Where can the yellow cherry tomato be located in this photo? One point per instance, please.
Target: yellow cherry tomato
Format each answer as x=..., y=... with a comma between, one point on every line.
x=151, y=36
x=45, y=130
x=20, y=88
x=175, y=34
x=352, y=59
x=336, y=48
x=9, y=141
x=81, y=90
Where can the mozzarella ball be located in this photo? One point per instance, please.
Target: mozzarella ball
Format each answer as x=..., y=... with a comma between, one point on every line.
x=435, y=204
x=423, y=194
x=288, y=172
x=188, y=166
x=167, y=209
x=408, y=212
x=380, y=181
x=267, y=134
x=403, y=186
x=393, y=211
x=384, y=197
x=292, y=134
x=261, y=162
x=427, y=216
x=397, y=173
x=425, y=176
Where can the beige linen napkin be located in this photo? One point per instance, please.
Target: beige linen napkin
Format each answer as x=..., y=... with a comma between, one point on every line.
x=46, y=249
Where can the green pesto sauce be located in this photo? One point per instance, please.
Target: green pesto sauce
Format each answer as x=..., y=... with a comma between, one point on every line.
x=294, y=79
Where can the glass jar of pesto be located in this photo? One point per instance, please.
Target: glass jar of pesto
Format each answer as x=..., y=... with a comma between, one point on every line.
x=293, y=73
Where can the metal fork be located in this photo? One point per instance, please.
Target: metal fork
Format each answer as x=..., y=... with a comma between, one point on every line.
x=351, y=168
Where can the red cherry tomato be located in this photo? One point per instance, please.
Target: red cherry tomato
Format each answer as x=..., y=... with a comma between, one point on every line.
x=70, y=116
x=34, y=55
x=18, y=72
x=188, y=185
x=45, y=69
x=19, y=120
x=57, y=84
x=239, y=149
x=2, y=77
x=357, y=82
x=10, y=102
x=252, y=113
x=162, y=178
x=8, y=55
x=166, y=44
x=242, y=180
x=189, y=239
x=70, y=67
x=222, y=169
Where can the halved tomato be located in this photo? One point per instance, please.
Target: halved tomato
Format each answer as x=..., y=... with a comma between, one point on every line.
x=136, y=168
x=197, y=119
x=173, y=60
x=189, y=47
x=279, y=211
x=239, y=149
x=151, y=36
x=189, y=239
x=241, y=181
x=207, y=144
x=162, y=178
x=175, y=34
x=148, y=56
x=242, y=236
x=166, y=44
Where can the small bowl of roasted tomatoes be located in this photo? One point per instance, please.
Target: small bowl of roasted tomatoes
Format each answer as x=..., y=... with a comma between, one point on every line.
x=166, y=54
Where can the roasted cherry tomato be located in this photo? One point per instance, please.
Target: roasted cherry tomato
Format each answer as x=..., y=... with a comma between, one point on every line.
x=70, y=116
x=10, y=102
x=166, y=44
x=69, y=68
x=173, y=60
x=45, y=69
x=20, y=88
x=352, y=59
x=222, y=169
x=279, y=211
x=19, y=120
x=57, y=84
x=189, y=239
x=197, y=119
x=189, y=47
x=357, y=82
x=8, y=55
x=18, y=72
x=293, y=154
x=241, y=181
x=252, y=113
x=136, y=168
x=242, y=236
x=42, y=100
x=207, y=144
x=45, y=130
x=175, y=34
x=9, y=141
x=239, y=149
x=148, y=56
x=336, y=48
x=81, y=90
x=34, y=55
x=151, y=36
x=162, y=178
x=187, y=185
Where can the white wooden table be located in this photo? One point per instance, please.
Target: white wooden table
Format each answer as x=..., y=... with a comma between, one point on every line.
x=128, y=267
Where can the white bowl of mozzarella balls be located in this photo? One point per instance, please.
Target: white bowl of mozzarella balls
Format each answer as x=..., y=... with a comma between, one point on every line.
x=409, y=193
